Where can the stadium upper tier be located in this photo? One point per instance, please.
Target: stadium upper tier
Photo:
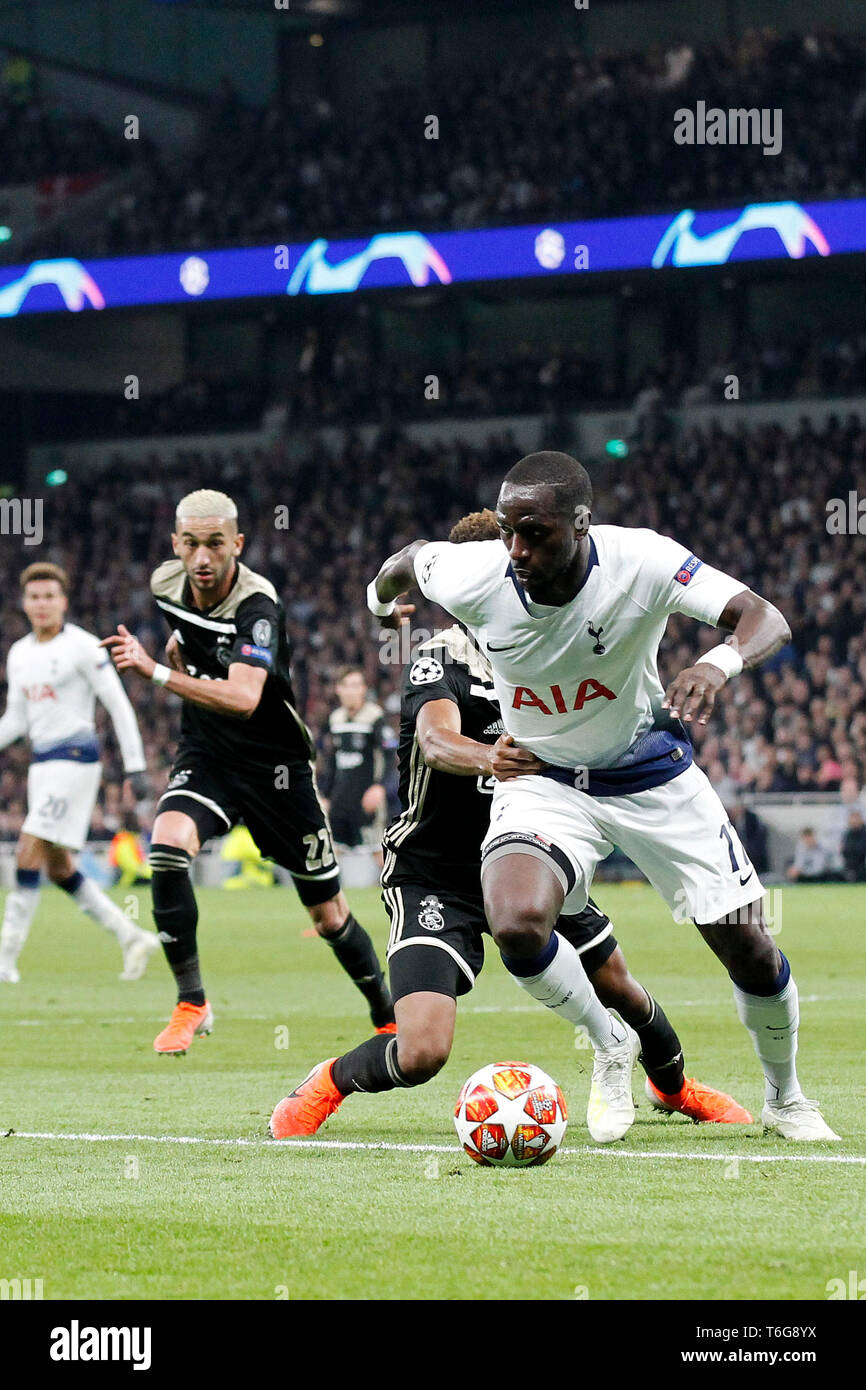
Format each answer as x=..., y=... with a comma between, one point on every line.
x=557, y=135
x=341, y=382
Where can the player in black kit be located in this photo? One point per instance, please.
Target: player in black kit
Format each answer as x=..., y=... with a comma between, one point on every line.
x=431, y=886
x=245, y=754
x=358, y=758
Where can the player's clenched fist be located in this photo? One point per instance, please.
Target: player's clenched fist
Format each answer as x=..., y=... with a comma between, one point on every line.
x=507, y=760
x=128, y=654
x=399, y=617
x=692, y=694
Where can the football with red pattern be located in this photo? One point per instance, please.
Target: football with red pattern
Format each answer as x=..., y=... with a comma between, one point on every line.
x=510, y=1115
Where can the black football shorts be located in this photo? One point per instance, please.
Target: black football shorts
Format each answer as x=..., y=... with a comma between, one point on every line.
x=281, y=812
x=445, y=931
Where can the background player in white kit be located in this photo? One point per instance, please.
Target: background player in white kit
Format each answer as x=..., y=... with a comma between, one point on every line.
x=55, y=674
x=570, y=618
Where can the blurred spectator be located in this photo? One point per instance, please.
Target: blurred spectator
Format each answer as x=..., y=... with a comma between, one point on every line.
x=811, y=862
x=838, y=820
x=854, y=849
x=249, y=869
x=127, y=856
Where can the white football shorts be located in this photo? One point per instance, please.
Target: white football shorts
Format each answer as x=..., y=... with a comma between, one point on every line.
x=678, y=834
x=61, y=795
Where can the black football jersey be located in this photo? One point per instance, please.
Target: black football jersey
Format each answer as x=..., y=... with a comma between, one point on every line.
x=444, y=818
x=359, y=752
x=248, y=626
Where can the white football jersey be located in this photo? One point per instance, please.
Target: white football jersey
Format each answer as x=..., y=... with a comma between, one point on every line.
x=53, y=687
x=577, y=684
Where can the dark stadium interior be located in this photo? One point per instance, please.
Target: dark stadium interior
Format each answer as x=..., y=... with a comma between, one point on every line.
x=565, y=129
x=344, y=264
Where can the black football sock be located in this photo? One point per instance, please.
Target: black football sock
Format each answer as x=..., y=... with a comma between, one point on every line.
x=661, y=1053
x=175, y=913
x=357, y=955
x=371, y=1067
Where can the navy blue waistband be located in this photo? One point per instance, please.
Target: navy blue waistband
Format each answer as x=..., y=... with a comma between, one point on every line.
x=70, y=752
x=655, y=758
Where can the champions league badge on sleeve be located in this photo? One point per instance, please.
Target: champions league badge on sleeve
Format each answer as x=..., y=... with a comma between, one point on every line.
x=426, y=670
x=687, y=569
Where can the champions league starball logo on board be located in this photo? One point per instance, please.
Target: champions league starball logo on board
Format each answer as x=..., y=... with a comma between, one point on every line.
x=550, y=248
x=411, y=259
x=194, y=275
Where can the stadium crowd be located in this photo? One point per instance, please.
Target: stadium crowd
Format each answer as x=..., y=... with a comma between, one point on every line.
x=40, y=140
x=563, y=134
x=339, y=382
x=752, y=501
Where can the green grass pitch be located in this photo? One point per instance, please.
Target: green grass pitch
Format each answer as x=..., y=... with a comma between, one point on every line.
x=673, y=1211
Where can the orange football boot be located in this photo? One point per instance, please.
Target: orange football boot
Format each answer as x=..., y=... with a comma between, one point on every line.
x=390, y=1028
x=186, y=1021
x=700, y=1103
x=311, y=1103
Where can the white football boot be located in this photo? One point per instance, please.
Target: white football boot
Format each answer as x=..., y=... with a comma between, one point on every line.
x=799, y=1119
x=610, y=1109
x=136, y=954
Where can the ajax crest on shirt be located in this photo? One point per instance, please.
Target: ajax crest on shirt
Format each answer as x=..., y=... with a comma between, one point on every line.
x=430, y=915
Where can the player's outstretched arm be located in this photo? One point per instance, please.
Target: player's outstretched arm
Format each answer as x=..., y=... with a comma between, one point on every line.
x=397, y=574
x=13, y=724
x=237, y=696
x=109, y=691
x=758, y=630
x=445, y=749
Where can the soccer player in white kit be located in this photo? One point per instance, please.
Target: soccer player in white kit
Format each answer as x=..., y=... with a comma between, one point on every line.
x=570, y=617
x=55, y=674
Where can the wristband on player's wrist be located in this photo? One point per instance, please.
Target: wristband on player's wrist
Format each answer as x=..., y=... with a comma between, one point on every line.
x=376, y=607
x=160, y=674
x=726, y=659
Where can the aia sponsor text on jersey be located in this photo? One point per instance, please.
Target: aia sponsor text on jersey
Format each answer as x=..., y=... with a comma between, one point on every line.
x=590, y=689
x=40, y=692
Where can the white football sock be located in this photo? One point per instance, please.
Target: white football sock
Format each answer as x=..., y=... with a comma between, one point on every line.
x=772, y=1021
x=564, y=987
x=21, y=905
x=95, y=903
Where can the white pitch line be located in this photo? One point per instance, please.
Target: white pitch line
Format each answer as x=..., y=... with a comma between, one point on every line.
x=242, y=1143
x=727, y=1158
x=345, y=1144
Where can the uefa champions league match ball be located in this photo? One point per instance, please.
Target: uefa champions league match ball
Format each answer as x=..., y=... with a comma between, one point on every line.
x=510, y=1115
